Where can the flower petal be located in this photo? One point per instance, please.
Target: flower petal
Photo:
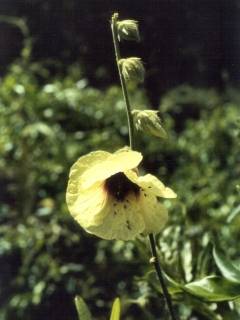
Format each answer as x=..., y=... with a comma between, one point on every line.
x=86, y=162
x=123, y=220
x=152, y=184
x=155, y=215
x=120, y=161
x=86, y=206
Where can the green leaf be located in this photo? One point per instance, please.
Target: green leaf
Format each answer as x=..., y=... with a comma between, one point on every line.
x=173, y=286
x=186, y=259
x=227, y=268
x=233, y=214
x=82, y=309
x=116, y=308
x=213, y=288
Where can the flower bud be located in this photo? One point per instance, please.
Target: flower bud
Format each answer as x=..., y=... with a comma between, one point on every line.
x=128, y=30
x=148, y=121
x=132, y=69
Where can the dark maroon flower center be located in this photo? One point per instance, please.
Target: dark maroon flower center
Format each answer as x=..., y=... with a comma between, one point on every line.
x=119, y=186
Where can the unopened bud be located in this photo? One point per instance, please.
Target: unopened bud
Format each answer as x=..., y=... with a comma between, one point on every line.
x=148, y=121
x=128, y=30
x=132, y=69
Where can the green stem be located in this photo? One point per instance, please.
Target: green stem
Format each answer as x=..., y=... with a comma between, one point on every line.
x=122, y=80
x=154, y=259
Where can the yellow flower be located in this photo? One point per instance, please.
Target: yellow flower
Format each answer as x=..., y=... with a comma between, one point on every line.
x=107, y=197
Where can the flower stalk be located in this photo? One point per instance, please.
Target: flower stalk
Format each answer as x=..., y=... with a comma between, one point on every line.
x=154, y=259
x=122, y=80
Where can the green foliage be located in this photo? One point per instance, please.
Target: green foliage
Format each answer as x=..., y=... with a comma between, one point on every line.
x=116, y=309
x=226, y=267
x=213, y=288
x=46, y=124
x=82, y=309
x=84, y=313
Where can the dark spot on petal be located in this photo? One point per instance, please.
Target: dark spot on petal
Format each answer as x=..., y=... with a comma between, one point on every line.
x=119, y=186
x=145, y=195
x=128, y=225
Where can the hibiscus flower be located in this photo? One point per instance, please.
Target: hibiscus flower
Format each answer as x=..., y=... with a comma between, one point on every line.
x=108, y=198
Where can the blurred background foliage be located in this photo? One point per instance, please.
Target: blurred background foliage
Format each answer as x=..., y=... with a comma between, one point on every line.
x=60, y=99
